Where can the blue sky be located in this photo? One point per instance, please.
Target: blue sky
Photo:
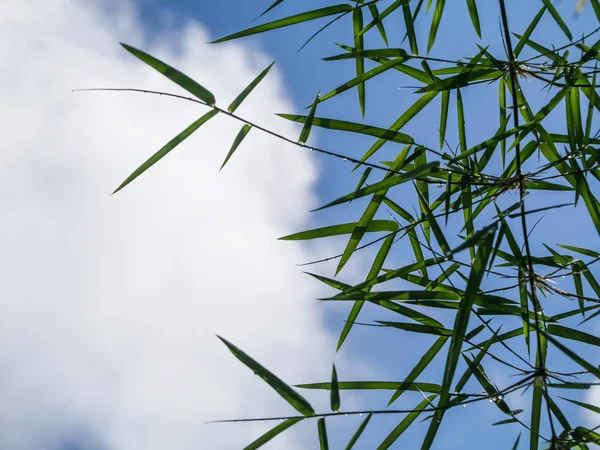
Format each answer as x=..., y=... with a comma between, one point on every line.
x=250, y=203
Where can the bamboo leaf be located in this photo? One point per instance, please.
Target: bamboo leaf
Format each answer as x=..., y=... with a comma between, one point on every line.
x=573, y=334
x=167, y=148
x=335, y=391
x=336, y=230
x=375, y=385
x=558, y=19
x=323, y=441
x=308, y=121
x=289, y=394
x=353, y=127
x=357, y=23
x=474, y=16
x=385, y=184
x=405, y=423
x=421, y=365
x=238, y=140
x=292, y=20
x=435, y=24
x=240, y=98
x=373, y=272
x=358, y=432
x=173, y=74
x=280, y=428
x=460, y=327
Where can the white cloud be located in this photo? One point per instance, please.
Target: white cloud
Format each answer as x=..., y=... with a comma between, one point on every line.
x=110, y=304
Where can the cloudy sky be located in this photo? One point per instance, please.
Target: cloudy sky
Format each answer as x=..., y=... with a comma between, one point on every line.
x=110, y=304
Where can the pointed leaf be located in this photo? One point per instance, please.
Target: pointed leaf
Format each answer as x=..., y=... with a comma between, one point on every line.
x=168, y=147
x=336, y=230
x=289, y=394
x=358, y=432
x=238, y=140
x=174, y=75
x=240, y=98
x=280, y=428
x=292, y=20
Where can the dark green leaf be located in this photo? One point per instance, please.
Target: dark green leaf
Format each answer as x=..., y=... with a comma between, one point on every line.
x=290, y=395
x=298, y=18
x=168, y=147
x=240, y=98
x=406, y=422
x=353, y=127
x=323, y=442
x=358, y=432
x=336, y=230
x=335, y=391
x=238, y=140
x=174, y=75
x=272, y=433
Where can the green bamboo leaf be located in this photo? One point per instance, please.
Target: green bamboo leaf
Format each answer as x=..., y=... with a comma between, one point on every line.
x=323, y=441
x=373, y=53
x=386, y=12
x=373, y=272
x=364, y=77
x=502, y=106
x=573, y=334
x=273, y=5
x=405, y=423
x=375, y=385
x=336, y=230
x=444, y=118
x=173, y=74
x=292, y=20
x=583, y=251
x=280, y=428
x=590, y=112
x=516, y=444
x=240, y=98
x=406, y=117
x=421, y=365
x=375, y=14
x=536, y=399
x=459, y=330
x=167, y=148
x=460, y=114
x=308, y=121
x=532, y=25
x=385, y=184
x=358, y=432
x=357, y=23
x=587, y=435
x=397, y=295
x=592, y=408
x=289, y=394
x=410, y=28
x=352, y=127
x=487, y=386
x=558, y=19
x=474, y=16
x=476, y=361
x=477, y=237
x=238, y=140
x=417, y=328
x=435, y=24
x=369, y=213
x=432, y=221
x=574, y=356
x=335, y=391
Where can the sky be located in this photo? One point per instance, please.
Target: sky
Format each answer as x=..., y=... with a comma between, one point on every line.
x=112, y=303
